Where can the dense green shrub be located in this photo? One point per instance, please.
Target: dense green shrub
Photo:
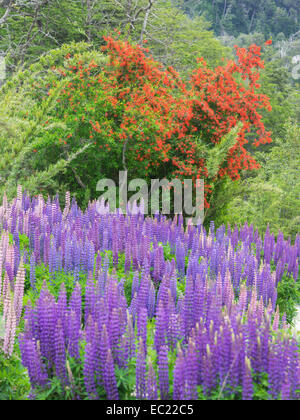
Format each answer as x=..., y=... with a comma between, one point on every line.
x=14, y=381
x=271, y=196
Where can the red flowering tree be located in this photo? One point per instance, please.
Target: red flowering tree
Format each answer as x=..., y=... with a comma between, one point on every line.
x=132, y=113
x=187, y=116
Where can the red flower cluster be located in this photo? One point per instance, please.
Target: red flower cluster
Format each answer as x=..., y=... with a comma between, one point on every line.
x=211, y=104
x=161, y=117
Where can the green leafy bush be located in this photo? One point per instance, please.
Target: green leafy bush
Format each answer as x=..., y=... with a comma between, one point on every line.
x=271, y=196
x=14, y=381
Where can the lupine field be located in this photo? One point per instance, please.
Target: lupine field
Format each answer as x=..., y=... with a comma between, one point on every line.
x=186, y=110
x=120, y=306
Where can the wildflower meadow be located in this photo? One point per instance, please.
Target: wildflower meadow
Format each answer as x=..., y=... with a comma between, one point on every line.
x=130, y=307
x=149, y=203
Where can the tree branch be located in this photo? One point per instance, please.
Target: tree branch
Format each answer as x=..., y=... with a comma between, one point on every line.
x=124, y=154
x=78, y=179
x=7, y=12
x=151, y=2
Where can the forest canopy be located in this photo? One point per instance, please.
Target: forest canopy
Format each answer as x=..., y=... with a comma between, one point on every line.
x=270, y=17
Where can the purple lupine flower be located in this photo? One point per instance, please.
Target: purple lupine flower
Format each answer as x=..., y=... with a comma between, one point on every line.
x=19, y=291
x=10, y=330
x=296, y=270
x=98, y=263
x=188, y=307
x=160, y=328
x=180, y=257
x=31, y=359
x=291, y=365
x=134, y=252
x=89, y=371
x=112, y=293
x=114, y=332
x=247, y=382
x=163, y=373
x=286, y=390
x=191, y=373
x=89, y=297
x=73, y=328
x=46, y=315
x=173, y=280
x=273, y=371
x=151, y=301
x=151, y=383
x=32, y=271
x=60, y=352
x=179, y=376
x=101, y=313
x=104, y=346
x=141, y=371
x=143, y=292
x=61, y=307
x=89, y=330
x=110, y=382
x=208, y=380
x=209, y=314
x=127, y=257
x=135, y=284
x=75, y=303
x=123, y=353
x=131, y=336
x=142, y=320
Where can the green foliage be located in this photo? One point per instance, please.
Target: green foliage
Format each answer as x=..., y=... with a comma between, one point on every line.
x=275, y=81
x=54, y=281
x=288, y=297
x=24, y=242
x=176, y=39
x=26, y=113
x=272, y=195
x=241, y=16
x=227, y=393
x=55, y=390
x=40, y=26
x=224, y=193
x=14, y=381
x=218, y=154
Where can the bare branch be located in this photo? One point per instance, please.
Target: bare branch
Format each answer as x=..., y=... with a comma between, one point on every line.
x=151, y=2
x=78, y=179
x=144, y=9
x=7, y=12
